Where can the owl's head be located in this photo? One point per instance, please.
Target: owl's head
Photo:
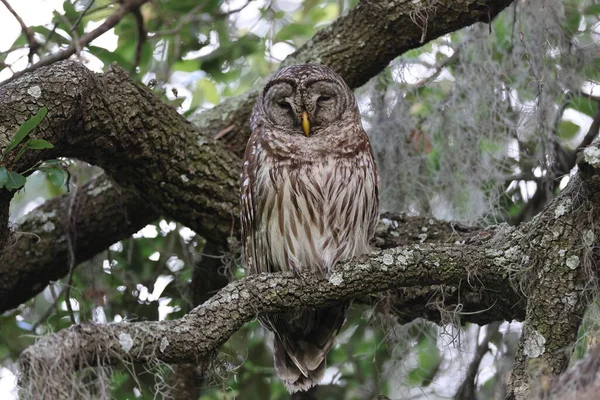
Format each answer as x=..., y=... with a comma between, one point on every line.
x=306, y=99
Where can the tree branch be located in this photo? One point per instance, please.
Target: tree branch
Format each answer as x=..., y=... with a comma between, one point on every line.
x=564, y=282
x=33, y=44
x=110, y=22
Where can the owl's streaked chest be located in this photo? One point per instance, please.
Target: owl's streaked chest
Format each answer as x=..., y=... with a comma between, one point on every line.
x=314, y=214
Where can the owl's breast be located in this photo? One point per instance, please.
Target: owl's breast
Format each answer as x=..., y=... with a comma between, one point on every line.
x=314, y=214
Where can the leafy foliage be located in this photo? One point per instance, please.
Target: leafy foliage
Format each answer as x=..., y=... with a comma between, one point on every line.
x=12, y=180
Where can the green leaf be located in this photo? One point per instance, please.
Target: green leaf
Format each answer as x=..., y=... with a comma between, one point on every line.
x=186, y=65
x=567, y=129
x=3, y=177
x=176, y=103
x=39, y=144
x=15, y=180
x=56, y=176
x=57, y=36
x=309, y=5
x=26, y=128
x=108, y=57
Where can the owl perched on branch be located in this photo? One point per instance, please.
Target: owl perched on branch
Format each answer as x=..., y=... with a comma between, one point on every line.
x=309, y=199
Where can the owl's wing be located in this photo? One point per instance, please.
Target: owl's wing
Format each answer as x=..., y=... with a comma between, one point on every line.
x=249, y=204
x=374, y=176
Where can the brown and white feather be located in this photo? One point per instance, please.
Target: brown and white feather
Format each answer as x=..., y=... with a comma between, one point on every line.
x=307, y=203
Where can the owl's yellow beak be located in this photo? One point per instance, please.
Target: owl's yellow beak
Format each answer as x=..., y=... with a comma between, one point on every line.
x=305, y=122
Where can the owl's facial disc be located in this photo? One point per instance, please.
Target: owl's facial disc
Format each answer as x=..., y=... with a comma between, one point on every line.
x=307, y=107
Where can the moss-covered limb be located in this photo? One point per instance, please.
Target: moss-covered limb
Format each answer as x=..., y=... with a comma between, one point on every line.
x=559, y=284
x=211, y=324
x=145, y=145
x=99, y=213
x=358, y=45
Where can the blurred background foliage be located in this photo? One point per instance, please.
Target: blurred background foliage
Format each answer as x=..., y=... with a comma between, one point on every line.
x=478, y=126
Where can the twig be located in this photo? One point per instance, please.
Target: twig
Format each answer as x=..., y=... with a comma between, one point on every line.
x=78, y=21
x=74, y=34
x=141, y=37
x=33, y=44
x=126, y=7
x=438, y=70
x=593, y=131
x=53, y=31
x=224, y=132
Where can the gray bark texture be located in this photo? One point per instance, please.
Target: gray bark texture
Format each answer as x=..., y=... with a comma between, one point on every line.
x=157, y=163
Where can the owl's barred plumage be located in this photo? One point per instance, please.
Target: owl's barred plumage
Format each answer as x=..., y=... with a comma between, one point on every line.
x=309, y=199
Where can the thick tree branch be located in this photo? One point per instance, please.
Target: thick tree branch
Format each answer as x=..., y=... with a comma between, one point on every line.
x=145, y=145
x=46, y=251
x=42, y=257
x=110, y=121
x=564, y=282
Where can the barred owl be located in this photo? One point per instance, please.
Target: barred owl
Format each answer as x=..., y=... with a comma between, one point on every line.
x=309, y=199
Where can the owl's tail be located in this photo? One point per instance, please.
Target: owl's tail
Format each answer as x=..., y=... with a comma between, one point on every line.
x=302, y=341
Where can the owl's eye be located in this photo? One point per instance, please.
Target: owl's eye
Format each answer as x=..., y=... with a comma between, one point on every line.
x=323, y=98
x=284, y=104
